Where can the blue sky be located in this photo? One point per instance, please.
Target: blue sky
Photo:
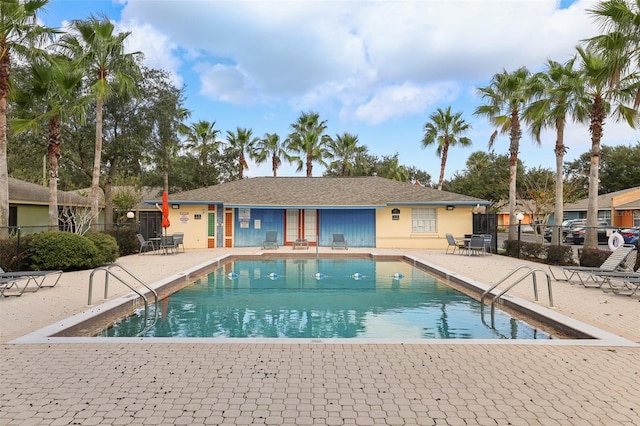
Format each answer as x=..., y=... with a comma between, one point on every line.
x=376, y=69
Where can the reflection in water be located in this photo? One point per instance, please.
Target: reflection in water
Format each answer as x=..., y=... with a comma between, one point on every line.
x=355, y=298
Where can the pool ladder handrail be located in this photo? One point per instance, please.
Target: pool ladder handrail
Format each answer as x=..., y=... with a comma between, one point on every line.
x=109, y=272
x=531, y=272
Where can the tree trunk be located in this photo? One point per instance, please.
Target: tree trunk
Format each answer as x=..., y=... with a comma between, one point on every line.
x=53, y=151
x=94, y=194
x=514, y=147
x=4, y=170
x=559, y=207
x=443, y=163
x=597, y=115
x=274, y=165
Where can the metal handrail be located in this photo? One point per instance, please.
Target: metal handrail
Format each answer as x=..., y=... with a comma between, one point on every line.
x=109, y=272
x=531, y=272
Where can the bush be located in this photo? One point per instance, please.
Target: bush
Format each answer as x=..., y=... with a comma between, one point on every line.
x=126, y=239
x=593, y=257
x=560, y=255
x=12, y=256
x=63, y=250
x=537, y=252
x=106, y=244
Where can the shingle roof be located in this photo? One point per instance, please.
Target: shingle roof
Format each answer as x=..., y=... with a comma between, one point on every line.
x=21, y=192
x=320, y=192
x=604, y=201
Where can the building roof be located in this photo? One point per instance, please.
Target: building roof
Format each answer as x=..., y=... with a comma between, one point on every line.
x=21, y=192
x=319, y=192
x=604, y=201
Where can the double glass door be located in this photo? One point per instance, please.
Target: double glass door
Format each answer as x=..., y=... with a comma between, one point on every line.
x=301, y=224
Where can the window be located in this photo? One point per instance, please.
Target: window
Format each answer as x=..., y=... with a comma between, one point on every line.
x=604, y=215
x=636, y=218
x=424, y=220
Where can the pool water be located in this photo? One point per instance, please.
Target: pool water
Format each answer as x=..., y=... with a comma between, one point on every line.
x=324, y=298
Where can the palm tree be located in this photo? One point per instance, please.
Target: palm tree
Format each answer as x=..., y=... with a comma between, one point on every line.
x=308, y=139
x=445, y=130
x=598, y=72
x=561, y=97
x=50, y=94
x=506, y=97
x=270, y=147
x=19, y=30
x=242, y=142
x=101, y=52
x=201, y=137
x=345, y=150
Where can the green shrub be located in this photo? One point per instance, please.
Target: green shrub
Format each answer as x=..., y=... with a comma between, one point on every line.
x=560, y=255
x=593, y=257
x=13, y=253
x=63, y=250
x=126, y=239
x=106, y=244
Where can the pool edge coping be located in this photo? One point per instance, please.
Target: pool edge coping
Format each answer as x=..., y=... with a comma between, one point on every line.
x=599, y=337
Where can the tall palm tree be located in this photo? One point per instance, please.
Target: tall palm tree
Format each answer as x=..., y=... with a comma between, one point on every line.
x=506, y=97
x=52, y=94
x=606, y=99
x=308, y=139
x=561, y=98
x=101, y=53
x=242, y=142
x=445, y=130
x=270, y=147
x=201, y=137
x=345, y=150
x=19, y=30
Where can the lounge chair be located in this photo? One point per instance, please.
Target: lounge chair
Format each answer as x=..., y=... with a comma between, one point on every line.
x=39, y=278
x=452, y=242
x=145, y=245
x=617, y=261
x=271, y=240
x=338, y=241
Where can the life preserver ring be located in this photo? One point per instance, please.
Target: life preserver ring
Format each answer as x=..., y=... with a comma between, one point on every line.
x=615, y=241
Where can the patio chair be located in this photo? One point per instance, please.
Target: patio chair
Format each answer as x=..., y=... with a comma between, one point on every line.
x=476, y=245
x=39, y=278
x=271, y=240
x=487, y=243
x=338, y=241
x=145, y=245
x=178, y=240
x=452, y=242
x=617, y=261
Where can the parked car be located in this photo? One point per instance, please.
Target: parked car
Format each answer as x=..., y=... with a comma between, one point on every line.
x=566, y=229
x=630, y=235
x=604, y=232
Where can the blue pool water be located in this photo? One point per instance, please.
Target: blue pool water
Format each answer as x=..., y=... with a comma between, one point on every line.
x=325, y=298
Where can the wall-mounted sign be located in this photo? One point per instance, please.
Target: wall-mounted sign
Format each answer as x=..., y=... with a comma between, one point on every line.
x=197, y=216
x=395, y=217
x=244, y=213
x=395, y=211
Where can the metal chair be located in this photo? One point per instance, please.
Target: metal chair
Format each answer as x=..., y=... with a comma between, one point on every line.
x=338, y=241
x=271, y=240
x=145, y=245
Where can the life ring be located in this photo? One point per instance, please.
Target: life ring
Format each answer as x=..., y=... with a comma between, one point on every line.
x=615, y=241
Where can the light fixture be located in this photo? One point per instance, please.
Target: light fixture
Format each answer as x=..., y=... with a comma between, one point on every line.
x=130, y=215
x=519, y=216
x=175, y=206
x=450, y=207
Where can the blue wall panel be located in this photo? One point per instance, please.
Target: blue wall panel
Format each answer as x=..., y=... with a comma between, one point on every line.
x=357, y=225
x=270, y=219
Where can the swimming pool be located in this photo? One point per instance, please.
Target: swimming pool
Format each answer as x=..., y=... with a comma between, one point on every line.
x=324, y=298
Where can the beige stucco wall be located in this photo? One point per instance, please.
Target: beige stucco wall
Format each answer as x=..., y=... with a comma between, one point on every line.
x=185, y=220
x=397, y=233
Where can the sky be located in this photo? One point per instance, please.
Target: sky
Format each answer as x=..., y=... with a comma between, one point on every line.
x=374, y=68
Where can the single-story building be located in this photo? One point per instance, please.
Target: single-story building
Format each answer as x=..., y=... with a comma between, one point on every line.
x=29, y=206
x=620, y=208
x=369, y=211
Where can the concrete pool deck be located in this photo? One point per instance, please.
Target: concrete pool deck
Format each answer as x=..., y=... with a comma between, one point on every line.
x=451, y=383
